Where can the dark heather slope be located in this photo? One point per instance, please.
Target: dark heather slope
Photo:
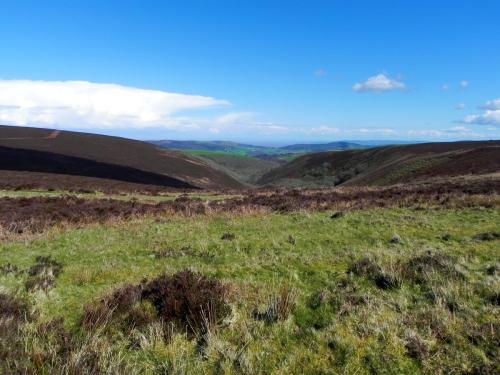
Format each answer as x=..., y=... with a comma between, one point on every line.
x=388, y=165
x=117, y=151
x=16, y=159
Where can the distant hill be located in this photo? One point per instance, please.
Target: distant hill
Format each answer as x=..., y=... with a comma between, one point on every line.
x=251, y=150
x=388, y=165
x=47, y=151
x=312, y=147
x=217, y=146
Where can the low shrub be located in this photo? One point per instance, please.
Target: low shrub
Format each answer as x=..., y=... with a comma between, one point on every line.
x=420, y=268
x=189, y=299
x=119, y=302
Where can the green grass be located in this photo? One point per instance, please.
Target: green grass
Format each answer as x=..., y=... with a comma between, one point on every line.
x=371, y=337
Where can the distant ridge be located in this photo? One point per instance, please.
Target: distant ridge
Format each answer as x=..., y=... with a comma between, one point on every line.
x=312, y=147
x=252, y=150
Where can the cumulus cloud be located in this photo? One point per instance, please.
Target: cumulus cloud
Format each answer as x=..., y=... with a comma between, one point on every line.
x=487, y=118
x=492, y=105
x=379, y=83
x=490, y=116
x=82, y=104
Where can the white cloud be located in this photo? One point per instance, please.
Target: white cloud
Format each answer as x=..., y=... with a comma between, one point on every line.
x=492, y=105
x=460, y=106
x=82, y=104
x=491, y=115
x=376, y=130
x=487, y=118
x=445, y=87
x=464, y=84
x=379, y=83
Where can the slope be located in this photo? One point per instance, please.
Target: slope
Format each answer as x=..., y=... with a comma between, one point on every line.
x=388, y=165
x=105, y=156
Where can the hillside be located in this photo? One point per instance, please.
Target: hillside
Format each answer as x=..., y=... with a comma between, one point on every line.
x=95, y=156
x=388, y=165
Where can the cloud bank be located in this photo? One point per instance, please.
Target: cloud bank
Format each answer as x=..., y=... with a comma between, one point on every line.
x=379, y=83
x=491, y=115
x=82, y=104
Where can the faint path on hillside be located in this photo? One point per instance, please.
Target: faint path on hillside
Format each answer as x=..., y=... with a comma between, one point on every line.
x=52, y=135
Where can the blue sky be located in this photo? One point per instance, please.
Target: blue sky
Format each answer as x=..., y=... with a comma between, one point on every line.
x=253, y=71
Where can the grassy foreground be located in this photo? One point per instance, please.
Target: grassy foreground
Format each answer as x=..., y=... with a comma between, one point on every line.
x=393, y=291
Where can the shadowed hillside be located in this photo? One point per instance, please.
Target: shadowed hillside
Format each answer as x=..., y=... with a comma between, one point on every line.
x=81, y=154
x=388, y=165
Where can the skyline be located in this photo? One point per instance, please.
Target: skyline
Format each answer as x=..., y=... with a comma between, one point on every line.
x=315, y=71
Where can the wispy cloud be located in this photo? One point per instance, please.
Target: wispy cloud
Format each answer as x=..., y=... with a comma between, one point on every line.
x=235, y=118
x=460, y=106
x=464, y=84
x=82, y=104
x=379, y=83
